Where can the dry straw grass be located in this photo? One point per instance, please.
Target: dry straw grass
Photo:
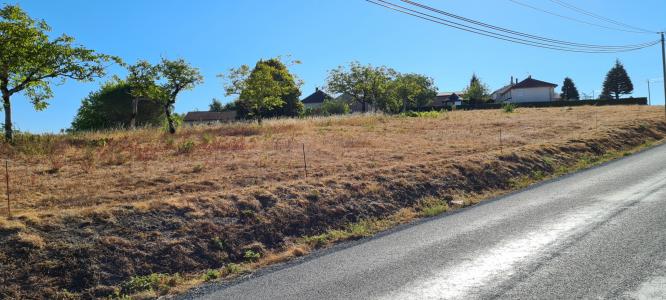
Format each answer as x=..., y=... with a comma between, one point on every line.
x=116, y=204
x=56, y=172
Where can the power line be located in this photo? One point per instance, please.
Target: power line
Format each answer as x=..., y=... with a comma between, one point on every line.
x=575, y=19
x=504, y=37
x=513, y=32
x=591, y=14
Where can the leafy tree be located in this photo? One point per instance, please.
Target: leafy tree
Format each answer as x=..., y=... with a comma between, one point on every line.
x=364, y=84
x=477, y=91
x=569, y=90
x=142, y=81
x=30, y=60
x=178, y=76
x=216, y=106
x=332, y=107
x=268, y=90
x=111, y=107
x=617, y=83
x=414, y=90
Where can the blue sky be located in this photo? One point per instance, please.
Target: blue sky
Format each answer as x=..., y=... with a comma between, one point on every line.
x=215, y=35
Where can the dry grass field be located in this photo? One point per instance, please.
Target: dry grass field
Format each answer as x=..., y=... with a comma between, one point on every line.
x=123, y=212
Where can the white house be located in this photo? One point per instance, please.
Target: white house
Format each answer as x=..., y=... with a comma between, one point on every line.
x=528, y=90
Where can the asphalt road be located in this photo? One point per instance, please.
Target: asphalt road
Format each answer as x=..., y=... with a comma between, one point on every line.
x=599, y=233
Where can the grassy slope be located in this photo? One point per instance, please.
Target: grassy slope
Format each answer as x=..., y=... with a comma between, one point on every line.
x=96, y=209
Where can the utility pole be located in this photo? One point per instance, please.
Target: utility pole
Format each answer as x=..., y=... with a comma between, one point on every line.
x=663, y=62
x=649, y=94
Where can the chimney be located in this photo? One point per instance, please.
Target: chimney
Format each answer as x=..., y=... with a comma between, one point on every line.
x=511, y=80
x=316, y=89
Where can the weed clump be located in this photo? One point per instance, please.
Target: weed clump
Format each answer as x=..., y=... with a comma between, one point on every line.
x=251, y=256
x=186, y=147
x=210, y=275
x=232, y=268
x=431, y=206
x=422, y=114
x=508, y=108
x=156, y=282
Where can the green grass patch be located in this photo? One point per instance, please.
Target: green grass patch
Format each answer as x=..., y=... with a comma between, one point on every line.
x=210, y=275
x=157, y=282
x=423, y=114
x=431, y=206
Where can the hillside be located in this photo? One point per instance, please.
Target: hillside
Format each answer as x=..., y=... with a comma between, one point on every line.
x=92, y=211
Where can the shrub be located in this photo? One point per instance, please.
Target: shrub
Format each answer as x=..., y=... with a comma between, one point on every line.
x=186, y=147
x=211, y=275
x=252, y=256
x=508, y=107
x=154, y=282
x=316, y=241
x=335, y=108
x=207, y=138
x=232, y=268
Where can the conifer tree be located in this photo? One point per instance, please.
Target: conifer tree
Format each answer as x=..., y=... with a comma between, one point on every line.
x=569, y=90
x=617, y=83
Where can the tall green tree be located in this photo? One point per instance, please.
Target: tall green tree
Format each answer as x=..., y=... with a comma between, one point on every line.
x=268, y=90
x=414, y=91
x=216, y=106
x=142, y=81
x=178, y=76
x=111, y=107
x=30, y=60
x=569, y=90
x=617, y=82
x=474, y=80
x=365, y=84
x=477, y=91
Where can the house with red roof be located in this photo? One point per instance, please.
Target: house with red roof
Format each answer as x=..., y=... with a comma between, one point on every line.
x=528, y=90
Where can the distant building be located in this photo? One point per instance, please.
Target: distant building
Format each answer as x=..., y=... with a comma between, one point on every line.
x=528, y=90
x=209, y=117
x=316, y=99
x=448, y=99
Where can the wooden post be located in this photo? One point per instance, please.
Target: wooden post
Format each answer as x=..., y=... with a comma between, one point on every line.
x=500, y=141
x=596, y=120
x=9, y=207
x=305, y=163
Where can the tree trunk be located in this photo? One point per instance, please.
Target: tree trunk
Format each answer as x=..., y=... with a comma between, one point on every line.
x=363, y=109
x=135, y=112
x=167, y=111
x=9, y=133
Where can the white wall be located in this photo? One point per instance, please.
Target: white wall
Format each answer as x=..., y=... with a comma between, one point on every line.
x=540, y=94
